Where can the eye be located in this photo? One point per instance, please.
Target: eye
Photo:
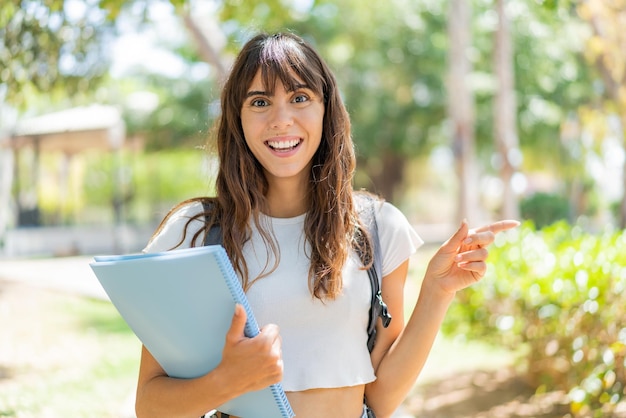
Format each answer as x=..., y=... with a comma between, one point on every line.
x=301, y=98
x=259, y=103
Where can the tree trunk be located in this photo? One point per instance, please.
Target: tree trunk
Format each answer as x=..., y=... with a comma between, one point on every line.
x=505, y=129
x=382, y=176
x=390, y=176
x=461, y=110
x=622, y=211
x=602, y=18
x=206, y=48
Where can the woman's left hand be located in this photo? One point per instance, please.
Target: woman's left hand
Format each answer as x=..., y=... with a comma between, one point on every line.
x=461, y=261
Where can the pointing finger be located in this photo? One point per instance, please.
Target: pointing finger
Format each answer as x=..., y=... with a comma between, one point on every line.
x=479, y=239
x=499, y=226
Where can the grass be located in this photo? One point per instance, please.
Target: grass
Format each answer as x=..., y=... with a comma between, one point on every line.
x=450, y=354
x=64, y=356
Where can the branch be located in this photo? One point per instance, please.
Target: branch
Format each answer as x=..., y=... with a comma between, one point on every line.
x=205, y=48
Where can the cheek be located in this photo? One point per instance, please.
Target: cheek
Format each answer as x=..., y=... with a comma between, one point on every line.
x=320, y=118
x=247, y=128
x=251, y=125
x=320, y=124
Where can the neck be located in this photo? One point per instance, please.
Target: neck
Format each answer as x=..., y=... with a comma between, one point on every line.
x=287, y=199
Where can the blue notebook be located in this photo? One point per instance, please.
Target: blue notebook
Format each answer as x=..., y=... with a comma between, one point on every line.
x=180, y=305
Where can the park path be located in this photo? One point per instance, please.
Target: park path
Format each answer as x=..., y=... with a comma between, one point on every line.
x=68, y=274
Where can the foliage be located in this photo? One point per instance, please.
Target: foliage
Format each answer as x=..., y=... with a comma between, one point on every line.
x=389, y=58
x=168, y=177
x=544, y=209
x=605, y=51
x=146, y=184
x=180, y=119
x=51, y=46
x=560, y=293
x=390, y=61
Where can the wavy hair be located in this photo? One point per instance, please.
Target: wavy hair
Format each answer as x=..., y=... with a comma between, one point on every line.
x=332, y=226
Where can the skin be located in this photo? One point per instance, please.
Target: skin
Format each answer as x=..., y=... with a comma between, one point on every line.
x=285, y=118
x=283, y=131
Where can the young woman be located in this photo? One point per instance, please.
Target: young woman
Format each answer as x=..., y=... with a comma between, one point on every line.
x=290, y=224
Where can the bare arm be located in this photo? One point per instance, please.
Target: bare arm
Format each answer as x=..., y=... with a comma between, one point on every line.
x=403, y=351
x=247, y=364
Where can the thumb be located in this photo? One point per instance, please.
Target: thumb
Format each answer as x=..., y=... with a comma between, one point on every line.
x=455, y=241
x=236, y=330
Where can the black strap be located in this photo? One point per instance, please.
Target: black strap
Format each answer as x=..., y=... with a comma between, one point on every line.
x=214, y=236
x=378, y=308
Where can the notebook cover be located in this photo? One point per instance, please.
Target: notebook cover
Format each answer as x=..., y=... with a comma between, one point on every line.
x=180, y=305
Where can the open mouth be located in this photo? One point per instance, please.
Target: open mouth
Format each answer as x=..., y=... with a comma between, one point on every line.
x=283, y=146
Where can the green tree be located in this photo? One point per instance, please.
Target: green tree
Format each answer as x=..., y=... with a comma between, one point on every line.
x=552, y=82
x=505, y=121
x=52, y=46
x=605, y=51
x=179, y=115
x=461, y=108
x=390, y=59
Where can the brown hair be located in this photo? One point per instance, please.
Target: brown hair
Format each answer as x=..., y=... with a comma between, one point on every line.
x=331, y=225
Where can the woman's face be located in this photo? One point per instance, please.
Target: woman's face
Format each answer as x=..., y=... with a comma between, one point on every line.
x=283, y=130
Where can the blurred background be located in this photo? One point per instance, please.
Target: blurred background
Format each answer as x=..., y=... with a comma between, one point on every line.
x=480, y=109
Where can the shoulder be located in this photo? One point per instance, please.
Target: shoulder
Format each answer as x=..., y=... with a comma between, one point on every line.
x=385, y=214
x=389, y=216
x=364, y=199
x=178, y=227
x=188, y=208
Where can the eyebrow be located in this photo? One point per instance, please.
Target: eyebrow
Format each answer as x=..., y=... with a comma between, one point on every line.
x=255, y=93
x=297, y=86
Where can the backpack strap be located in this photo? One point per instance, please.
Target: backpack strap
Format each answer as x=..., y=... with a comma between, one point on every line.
x=214, y=236
x=378, y=308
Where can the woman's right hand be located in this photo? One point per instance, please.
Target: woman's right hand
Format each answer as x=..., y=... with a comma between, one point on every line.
x=247, y=364
x=251, y=363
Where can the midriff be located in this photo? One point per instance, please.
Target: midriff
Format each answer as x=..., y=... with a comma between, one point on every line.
x=344, y=402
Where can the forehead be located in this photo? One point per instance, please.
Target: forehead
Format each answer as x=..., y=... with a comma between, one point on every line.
x=268, y=82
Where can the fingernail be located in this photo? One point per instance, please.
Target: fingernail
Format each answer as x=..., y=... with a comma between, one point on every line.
x=468, y=240
x=457, y=257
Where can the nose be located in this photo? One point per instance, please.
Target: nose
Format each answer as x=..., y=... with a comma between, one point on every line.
x=281, y=116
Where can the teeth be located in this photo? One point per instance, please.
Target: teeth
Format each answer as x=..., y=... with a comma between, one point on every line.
x=283, y=144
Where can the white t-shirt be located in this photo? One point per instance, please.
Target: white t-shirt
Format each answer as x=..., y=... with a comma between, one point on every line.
x=324, y=343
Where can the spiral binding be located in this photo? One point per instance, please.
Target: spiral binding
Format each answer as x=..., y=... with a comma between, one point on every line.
x=252, y=327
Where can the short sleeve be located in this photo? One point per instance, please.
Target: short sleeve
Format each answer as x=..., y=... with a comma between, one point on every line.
x=171, y=233
x=398, y=239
